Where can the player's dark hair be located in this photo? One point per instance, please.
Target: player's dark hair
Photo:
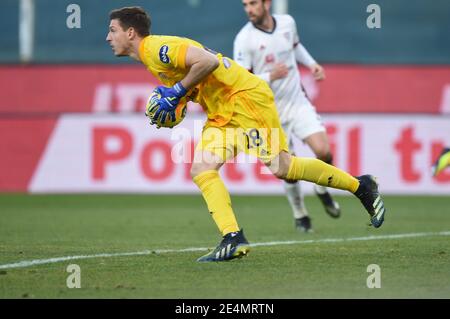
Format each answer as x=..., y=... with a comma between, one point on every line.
x=133, y=17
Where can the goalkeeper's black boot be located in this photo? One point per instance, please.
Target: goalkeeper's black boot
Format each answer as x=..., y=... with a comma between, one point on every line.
x=233, y=245
x=368, y=195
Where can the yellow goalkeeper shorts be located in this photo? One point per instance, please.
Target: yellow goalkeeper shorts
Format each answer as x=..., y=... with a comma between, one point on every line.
x=254, y=128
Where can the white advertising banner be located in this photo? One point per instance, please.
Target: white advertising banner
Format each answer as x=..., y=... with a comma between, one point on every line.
x=123, y=153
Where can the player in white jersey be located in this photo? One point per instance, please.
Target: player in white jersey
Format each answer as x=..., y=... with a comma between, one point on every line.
x=268, y=45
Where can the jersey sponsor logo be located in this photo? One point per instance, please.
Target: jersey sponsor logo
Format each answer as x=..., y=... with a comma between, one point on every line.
x=163, y=54
x=226, y=63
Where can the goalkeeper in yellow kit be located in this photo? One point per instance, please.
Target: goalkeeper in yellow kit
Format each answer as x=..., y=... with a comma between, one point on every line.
x=242, y=116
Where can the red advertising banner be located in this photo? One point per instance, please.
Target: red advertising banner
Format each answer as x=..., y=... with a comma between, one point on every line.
x=123, y=153
x=22, y=143
x=124, y=88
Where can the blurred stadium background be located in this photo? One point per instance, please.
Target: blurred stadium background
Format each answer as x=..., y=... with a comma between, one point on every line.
x=72, y=117
x=73, y=104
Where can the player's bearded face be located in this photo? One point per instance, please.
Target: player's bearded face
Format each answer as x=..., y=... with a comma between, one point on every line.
x=256, y=11
x=118, y=39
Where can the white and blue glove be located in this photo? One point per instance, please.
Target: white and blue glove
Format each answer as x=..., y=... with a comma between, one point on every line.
x=170, y=97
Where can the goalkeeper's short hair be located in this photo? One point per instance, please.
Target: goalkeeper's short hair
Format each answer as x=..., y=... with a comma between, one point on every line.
x=133, y=17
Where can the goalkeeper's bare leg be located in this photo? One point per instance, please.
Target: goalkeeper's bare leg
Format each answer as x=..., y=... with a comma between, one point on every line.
x=288, y=167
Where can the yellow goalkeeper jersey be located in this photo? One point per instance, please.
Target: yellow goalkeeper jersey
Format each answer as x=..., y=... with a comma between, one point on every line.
x=164, y=57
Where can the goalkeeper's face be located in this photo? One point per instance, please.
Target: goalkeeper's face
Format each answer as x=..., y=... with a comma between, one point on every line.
x=118, y=39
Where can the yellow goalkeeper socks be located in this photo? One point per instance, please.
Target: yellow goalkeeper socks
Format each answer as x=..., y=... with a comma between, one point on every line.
x=316, y=171
x=218, y=200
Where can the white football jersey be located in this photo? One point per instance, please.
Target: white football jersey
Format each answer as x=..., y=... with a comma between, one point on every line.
x=259, y=50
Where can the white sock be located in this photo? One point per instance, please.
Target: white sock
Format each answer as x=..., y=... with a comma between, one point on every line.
x=295, y=198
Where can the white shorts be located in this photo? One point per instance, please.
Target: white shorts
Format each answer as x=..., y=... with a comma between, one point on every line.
x=305, y=123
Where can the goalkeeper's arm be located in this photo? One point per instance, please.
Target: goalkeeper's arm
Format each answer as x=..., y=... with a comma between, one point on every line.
x=200, y=63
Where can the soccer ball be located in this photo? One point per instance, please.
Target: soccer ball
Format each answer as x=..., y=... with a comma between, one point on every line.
x=153, y=106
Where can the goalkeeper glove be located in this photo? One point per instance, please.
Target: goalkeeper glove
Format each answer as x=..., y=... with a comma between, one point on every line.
x=170, y=97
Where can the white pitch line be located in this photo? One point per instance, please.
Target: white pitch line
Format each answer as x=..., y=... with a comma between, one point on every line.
x=29, y=263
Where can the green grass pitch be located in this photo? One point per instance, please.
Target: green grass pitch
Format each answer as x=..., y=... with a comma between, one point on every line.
x=46, y=226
